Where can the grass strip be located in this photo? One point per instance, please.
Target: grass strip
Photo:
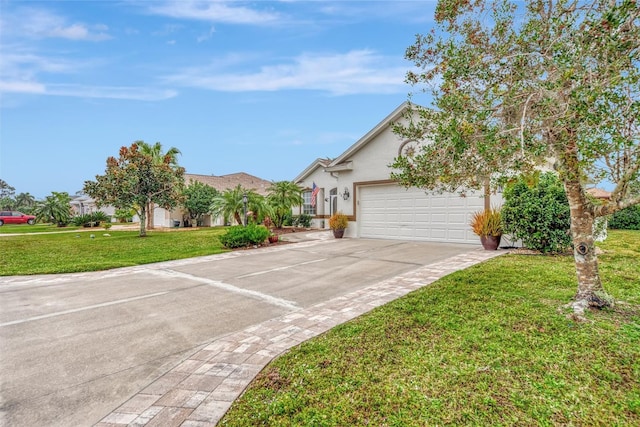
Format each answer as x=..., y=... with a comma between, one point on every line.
x=79, y=252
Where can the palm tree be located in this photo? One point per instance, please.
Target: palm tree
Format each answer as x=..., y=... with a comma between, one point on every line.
x=158, y=157
x=55, y=208
x=25, y=201
x=283, y=195
x=230, y=203
x=155, y=151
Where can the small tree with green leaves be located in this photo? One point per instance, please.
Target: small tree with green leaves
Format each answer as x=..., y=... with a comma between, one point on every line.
x=135, y=179
x=198, y=198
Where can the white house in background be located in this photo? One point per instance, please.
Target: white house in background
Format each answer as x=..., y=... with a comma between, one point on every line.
x=358, y=184
x=165, y=218
x=84, y=205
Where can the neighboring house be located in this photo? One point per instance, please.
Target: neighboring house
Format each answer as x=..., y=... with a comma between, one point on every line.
x=357, y=183
x=84, y=205
x=164, y=218
x=599, y=193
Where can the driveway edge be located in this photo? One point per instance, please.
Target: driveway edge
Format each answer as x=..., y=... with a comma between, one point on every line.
x=200, y=390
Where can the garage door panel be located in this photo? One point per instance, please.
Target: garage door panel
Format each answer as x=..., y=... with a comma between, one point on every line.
x=458, y=218
x=391, y=212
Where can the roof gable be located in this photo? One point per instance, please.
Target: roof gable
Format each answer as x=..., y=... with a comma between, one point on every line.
x=317, y=163
x=380, y=127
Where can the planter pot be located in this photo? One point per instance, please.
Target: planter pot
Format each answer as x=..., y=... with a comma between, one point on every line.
x=338, y=233
x=273, y=239
x=490, y=243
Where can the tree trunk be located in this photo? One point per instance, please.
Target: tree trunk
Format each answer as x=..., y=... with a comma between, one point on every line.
x=143, y=219
x=590, y=290
x=150, y=219
x=487, y=195
x=236, y=215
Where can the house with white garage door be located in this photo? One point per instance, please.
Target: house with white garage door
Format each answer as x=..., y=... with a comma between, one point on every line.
x=358, y=184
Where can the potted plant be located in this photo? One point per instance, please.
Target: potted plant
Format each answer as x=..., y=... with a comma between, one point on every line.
x=488, y=225
x=338, y=222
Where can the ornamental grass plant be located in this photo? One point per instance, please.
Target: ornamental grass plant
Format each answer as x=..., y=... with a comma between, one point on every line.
x=487, y=223
x=338, y=221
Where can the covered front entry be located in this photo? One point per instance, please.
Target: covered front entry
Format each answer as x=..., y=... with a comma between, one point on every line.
x=393, y=212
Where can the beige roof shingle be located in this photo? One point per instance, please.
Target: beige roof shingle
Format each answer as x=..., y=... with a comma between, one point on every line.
x=227, y=182
x=599, y=193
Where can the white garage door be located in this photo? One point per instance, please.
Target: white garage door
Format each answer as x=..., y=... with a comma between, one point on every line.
x=392, y=212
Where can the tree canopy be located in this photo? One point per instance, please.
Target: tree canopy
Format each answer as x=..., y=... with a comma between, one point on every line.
x=283, y=195
x=159, y=157
x=516, y=86
x=230, y=204
x=55, y=208
x=135, y=180
x=198, y=198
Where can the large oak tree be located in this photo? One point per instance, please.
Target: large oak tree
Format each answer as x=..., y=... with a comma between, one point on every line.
x=136, y=180
x=516, y=85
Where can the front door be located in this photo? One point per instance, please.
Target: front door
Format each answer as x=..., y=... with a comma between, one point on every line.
x=333, y=201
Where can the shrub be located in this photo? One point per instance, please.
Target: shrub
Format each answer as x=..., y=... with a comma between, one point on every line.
x=124, y=215
x=487, y=223
x=81, y=220
x=100, y=216
x=287, y=219
x=536, y=211
x=303, y=220
x=626, y=219
x=90, y=220
x=239, y=236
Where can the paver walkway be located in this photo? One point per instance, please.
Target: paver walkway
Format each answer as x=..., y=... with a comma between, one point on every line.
x=200, y=390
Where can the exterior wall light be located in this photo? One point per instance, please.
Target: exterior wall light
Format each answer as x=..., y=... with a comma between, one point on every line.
x=345, y=194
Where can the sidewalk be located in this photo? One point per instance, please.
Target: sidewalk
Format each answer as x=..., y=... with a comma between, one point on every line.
x=199, y=391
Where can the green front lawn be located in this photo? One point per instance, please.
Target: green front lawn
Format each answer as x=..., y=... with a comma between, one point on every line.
x=490, y=345
x=77, y=251
x=36, y=228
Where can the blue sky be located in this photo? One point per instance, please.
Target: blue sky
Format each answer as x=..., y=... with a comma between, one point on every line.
x=262, y=87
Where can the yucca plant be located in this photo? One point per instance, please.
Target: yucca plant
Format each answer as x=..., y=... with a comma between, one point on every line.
x=487, y=223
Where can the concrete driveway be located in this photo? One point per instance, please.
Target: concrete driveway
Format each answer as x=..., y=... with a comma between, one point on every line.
x=74, y=347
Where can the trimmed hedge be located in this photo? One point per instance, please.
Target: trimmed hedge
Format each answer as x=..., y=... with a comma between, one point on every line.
x=239, y=236
x=626, y=219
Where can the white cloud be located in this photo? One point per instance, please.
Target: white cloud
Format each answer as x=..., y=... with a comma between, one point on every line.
x=111, y=92
x=359, y=71
x=41, y=23
x=207, y=36
x=21, y=87
x=22, y=72
x=133, y=93
x=74, y=32
x=216, y=11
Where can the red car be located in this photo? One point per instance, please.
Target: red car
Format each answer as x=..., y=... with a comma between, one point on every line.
x=15, y=217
